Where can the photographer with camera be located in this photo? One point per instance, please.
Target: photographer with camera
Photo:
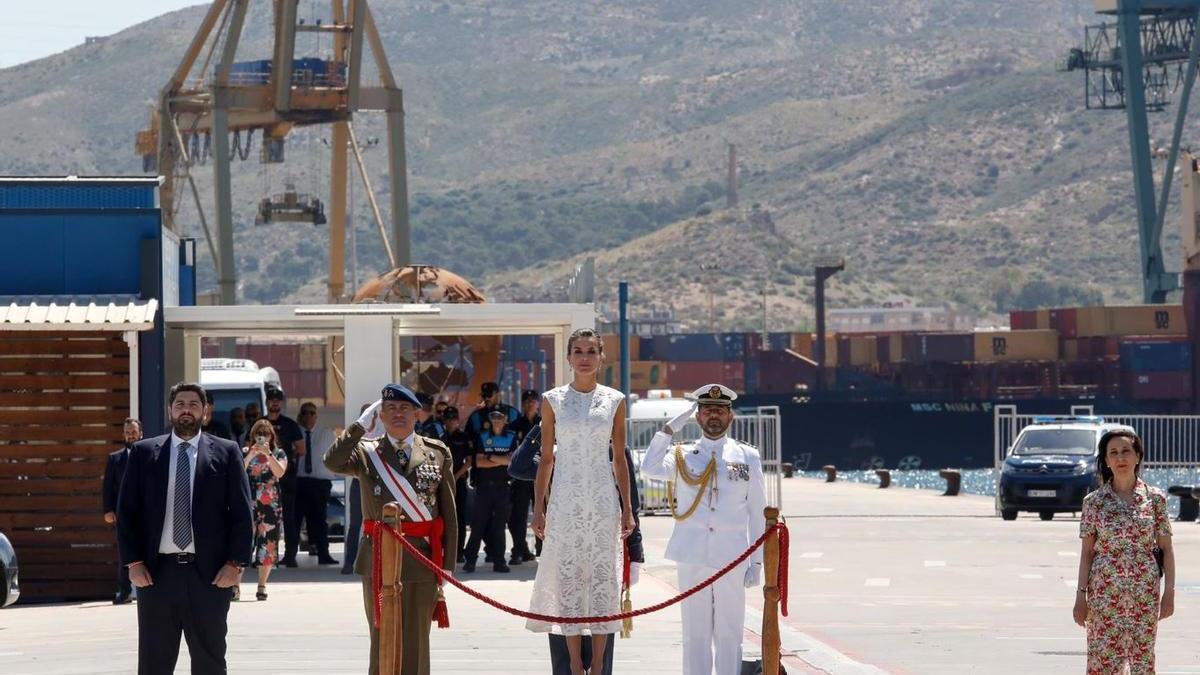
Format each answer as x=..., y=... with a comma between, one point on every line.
x=265, y=464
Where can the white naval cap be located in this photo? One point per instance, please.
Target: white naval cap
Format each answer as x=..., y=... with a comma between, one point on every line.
x=714, y=394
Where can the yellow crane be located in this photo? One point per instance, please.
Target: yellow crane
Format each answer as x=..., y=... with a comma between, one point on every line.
x=272, y=97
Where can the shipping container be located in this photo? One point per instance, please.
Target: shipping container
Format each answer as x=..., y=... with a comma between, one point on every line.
x=783, y=372
x=1065, y=321
x=938, y=347
x=312, y=357
x=1016, y=345
x=1041, y=320
x=752, y=371
x=1019, y=319
x=1164, y=385
x=802, y=344
x=1068, y=349
x=691, y=375
x=690, y=347
x=1155, y=355
x=612, y=348
x=733, y=346
x=284, y=358
x=642, y=375
x=303, y=384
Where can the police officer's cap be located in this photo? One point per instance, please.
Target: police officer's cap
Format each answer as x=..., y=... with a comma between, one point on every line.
x=715, y=394
x=530, y=395
x=497, y=415
x=274, y=393
x=396, y=392
x=450, y=413
x=425, y=399
x=488, y=388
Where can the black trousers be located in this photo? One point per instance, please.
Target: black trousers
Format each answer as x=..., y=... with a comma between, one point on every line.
x=312, y=502
x=291, y=516
x=560, y=658
x=461, y=493
x=489, y=518
x=518, y=519
x=181, y=602
x=353, y=525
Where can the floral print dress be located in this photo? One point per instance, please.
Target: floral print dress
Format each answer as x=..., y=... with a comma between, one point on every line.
x=1123, y=588
x=268, y=508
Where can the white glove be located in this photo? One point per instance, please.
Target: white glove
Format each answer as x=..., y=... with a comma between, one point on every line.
x=753, y=575
x=679, y=421
x=634, y=573
x=370, y=418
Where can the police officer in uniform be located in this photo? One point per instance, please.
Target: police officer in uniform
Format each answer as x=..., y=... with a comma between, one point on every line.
x=522, y=491
x=462, y=449
x=429, y=425
x=719, y=497
x=489, y=477
x=427, y=466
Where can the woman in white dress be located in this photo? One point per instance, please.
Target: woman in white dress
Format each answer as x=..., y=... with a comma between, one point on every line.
x=579, y=571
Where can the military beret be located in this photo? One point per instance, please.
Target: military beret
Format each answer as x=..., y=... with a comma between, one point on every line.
x=396, y=392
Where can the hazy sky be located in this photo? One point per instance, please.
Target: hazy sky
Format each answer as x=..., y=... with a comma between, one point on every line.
x=32, y=29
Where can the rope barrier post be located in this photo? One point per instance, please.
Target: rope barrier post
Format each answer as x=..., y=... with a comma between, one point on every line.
x=391, y=643
x=770, y=627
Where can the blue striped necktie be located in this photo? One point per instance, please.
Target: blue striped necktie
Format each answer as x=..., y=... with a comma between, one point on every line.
x=182, y=529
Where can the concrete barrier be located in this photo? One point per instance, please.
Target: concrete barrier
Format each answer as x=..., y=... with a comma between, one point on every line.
x=885, y=477
x=1189, y=505
x=830, y=473
x=953, y=479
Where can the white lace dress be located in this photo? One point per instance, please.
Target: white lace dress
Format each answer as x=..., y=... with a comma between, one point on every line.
x=579, y=571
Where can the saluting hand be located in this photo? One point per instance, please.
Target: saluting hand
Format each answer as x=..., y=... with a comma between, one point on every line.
x=370, y=417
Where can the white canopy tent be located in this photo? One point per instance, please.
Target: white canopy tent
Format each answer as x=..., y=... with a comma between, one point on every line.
x=371, y=332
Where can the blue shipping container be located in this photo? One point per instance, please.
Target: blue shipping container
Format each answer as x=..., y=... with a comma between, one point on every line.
x=1156, y=356
x=689, y=347
x=521, y=348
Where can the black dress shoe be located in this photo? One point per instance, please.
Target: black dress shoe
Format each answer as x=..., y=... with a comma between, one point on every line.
x=501, y=568
x=123, y=599
x=328, y=560
x=529, y=556
x=515, y=560
x=288, y=563
x=469, y=566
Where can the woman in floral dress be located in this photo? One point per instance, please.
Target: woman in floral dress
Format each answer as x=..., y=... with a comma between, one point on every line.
x=265, y=463
x=1118, y=595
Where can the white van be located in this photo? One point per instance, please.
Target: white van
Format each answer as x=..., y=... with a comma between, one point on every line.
x=646, y=417
x=234, y=383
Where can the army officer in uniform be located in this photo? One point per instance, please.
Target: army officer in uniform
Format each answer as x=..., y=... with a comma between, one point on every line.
x=719, y=497
x=426, y=465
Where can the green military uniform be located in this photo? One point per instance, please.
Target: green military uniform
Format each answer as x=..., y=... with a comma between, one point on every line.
x=431, y=473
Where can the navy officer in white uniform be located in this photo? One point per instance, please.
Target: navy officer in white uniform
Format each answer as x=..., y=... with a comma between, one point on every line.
x=719, y=497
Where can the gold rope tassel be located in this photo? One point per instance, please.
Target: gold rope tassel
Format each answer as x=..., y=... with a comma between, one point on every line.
x=626, y=606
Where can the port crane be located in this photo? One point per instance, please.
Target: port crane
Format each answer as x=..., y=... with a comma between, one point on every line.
x=212, y=99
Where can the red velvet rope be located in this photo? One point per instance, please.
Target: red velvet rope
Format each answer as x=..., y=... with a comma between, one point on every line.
x=376, y=532
x=783, y=566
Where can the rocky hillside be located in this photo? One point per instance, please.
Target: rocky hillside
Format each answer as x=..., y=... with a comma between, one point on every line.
x=930, y=142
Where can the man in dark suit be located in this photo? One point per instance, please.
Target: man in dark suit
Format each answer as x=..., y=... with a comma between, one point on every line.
x=185, y=529
x=114, y=471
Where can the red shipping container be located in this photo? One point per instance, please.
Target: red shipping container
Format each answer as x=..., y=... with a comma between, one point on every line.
x=691, y=375
x=1065, y=321
x=1157, y=386
x=1022, y=320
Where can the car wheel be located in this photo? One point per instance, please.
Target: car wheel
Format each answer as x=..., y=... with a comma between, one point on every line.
x=1008, y=514
x=1046, y=515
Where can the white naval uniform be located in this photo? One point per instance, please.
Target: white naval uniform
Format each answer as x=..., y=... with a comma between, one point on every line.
x=725, y=523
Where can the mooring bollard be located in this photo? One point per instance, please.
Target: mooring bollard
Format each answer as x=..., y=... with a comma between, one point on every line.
x=953, y=481
x=1189, y=506
x=391, y=626
x=885, y=477
x=830, y=473
x=788, y=469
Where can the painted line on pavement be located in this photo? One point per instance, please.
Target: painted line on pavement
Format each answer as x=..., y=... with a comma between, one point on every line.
x=878, y=582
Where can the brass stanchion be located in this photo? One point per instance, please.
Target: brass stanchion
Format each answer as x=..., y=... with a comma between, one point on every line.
x=391, y=643
x=770, y=627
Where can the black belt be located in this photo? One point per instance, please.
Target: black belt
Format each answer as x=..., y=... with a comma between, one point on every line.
x=178, y=558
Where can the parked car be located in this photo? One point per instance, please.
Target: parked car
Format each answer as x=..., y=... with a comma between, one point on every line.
x=8, y=573
x=1051, y=466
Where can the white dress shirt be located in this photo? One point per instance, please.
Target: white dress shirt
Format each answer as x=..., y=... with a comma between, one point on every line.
x=166, y=543
x=322, y=440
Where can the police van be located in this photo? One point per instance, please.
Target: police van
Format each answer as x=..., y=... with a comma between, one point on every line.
x=234, y=383
x=1052, y=466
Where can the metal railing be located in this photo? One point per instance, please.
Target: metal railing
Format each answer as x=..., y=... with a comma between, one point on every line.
x=1170, y=441
x=759, y=427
